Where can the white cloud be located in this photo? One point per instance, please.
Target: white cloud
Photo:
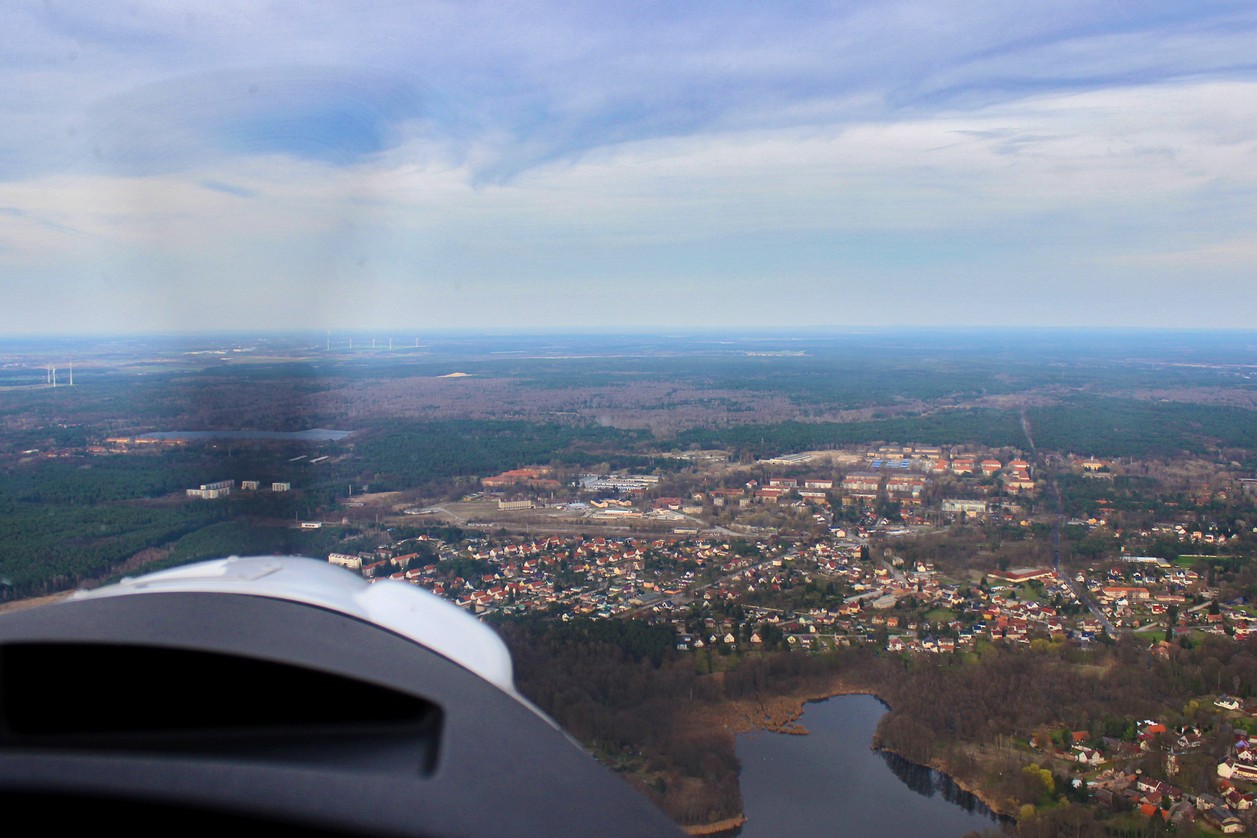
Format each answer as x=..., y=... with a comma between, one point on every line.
x=1139, y=152
x=619, y=158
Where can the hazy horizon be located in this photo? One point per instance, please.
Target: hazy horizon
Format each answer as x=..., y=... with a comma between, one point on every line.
x=405, y=335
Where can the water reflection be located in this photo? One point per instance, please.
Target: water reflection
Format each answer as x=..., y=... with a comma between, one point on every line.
x=831, y=783
x=927, y=782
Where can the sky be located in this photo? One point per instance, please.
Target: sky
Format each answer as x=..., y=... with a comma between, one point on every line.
x=396, y=167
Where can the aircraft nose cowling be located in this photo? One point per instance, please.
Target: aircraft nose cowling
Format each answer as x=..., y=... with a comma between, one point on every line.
x=286, y=693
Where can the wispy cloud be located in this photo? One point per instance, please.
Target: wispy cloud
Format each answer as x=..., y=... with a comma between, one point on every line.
x=474, y=157
x=229, y=189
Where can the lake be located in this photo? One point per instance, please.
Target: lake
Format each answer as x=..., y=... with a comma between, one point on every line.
x=831, y=783
x=312, y=435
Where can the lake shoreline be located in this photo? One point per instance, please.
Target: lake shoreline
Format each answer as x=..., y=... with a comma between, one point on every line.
x=781, y=714
x=720, y=827
x=941, y=767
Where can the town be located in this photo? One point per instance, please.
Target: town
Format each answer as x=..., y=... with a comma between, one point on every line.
x=1052, y=596
x=838, y=549
x=845, y=546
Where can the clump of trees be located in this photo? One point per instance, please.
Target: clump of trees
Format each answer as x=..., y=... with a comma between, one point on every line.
x=621, y=687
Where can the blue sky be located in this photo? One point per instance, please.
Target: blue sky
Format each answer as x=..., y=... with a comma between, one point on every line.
x=415, y=165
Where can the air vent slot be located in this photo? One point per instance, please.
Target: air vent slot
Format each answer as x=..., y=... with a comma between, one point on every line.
x=98, y=697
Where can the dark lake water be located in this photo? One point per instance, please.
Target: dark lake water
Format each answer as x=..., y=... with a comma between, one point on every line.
x=830, y=783
x=312, y=435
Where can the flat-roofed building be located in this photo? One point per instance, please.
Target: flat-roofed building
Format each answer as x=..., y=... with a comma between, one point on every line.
x=964, y=506
x=507, y=505
x=345, y=560
x=209, y=491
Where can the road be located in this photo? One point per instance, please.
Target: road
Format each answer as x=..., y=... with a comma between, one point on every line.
x=1080, y=591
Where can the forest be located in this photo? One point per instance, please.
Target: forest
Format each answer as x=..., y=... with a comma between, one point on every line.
x=1090, y=425
x=399, y=455
x=633, y=699
x=53, y=547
